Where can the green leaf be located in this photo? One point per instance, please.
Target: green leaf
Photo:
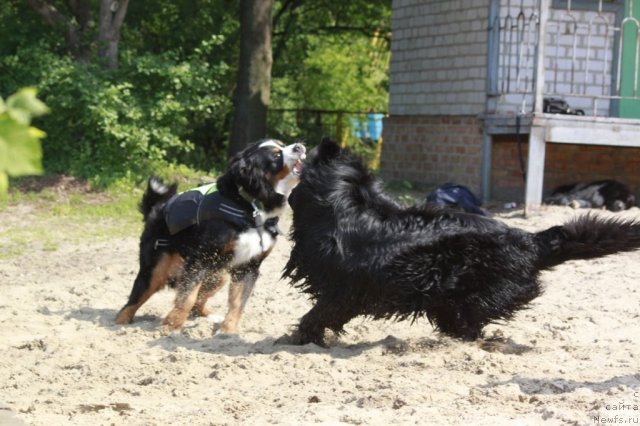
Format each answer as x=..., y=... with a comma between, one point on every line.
x=20, y=150
x=4, y=183
x=24, y=105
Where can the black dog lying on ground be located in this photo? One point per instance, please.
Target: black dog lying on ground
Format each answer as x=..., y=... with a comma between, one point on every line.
x=610, y=194
x=358, y=252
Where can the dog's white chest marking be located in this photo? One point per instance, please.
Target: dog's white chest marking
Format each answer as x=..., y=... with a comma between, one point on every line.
x=250, y=244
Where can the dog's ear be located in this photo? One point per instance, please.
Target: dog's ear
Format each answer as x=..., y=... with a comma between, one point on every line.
x=248, y=174
x=246, y=171
x=326, y=151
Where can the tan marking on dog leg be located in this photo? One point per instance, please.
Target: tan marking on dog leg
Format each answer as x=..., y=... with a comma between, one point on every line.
x=232, y=319
x=175, y=268
x=169, y=265
x=180, y=312
x=239, y=293
x=206, y=292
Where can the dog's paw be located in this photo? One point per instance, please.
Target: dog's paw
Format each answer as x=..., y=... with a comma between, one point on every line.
x=288, y=339
x=298, y=339
x=122, y=321
x=226, y=336
x=503, y=345
x=125, y=316
x=168, y=330
x=221, y=331
x=216, y=319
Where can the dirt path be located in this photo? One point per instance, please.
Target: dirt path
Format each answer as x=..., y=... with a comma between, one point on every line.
x=573, y=356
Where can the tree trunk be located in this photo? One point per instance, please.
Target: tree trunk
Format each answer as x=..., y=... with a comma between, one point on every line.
x=75, y=28
x=254, y=74
x=112, y=13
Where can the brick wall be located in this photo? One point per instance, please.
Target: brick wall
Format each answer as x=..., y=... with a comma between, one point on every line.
x=431, y=150
x=564, y=164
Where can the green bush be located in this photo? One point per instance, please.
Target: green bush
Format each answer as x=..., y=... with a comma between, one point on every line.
x=155, y=110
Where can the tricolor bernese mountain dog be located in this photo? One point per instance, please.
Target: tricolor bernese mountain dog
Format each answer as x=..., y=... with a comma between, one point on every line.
x=601, y=194
x=358, y=252
x=197, y=241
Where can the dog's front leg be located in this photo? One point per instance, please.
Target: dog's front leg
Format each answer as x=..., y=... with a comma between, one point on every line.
x=240, y=289
x=314, y=323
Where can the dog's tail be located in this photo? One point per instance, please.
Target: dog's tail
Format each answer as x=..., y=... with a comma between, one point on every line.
x=157, y=192
x=586, y=237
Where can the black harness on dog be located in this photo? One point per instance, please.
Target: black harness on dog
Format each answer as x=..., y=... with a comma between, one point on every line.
x=205, y=203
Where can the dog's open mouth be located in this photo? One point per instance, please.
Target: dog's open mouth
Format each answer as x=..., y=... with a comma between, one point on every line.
x=297, y=168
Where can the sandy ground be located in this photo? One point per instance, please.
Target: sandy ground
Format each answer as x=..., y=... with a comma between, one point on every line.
x=573, y=358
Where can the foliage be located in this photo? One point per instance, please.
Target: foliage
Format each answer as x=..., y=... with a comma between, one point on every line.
x=169, y=103
x=156, y=109
x=20, y=150
x=337, y=56
x=332, y=55
x=355, y=83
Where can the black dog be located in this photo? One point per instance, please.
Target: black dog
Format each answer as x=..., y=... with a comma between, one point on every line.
x=610, y=194
x=197, y=241
x=358, y=252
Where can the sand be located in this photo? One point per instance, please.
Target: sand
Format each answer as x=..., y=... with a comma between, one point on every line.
x=572, y=358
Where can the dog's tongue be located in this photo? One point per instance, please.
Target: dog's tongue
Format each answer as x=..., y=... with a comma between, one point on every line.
x=297, y=168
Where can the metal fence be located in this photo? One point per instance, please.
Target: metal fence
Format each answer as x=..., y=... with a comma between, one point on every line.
x=346, y=127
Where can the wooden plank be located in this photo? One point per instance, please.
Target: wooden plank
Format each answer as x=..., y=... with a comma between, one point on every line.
x=583, y=120
x=594, y=136
x=589, y=130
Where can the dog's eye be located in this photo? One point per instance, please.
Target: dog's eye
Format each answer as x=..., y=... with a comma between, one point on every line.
x=276, y=155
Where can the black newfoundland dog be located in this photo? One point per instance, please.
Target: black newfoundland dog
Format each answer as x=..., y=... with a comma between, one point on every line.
x=197, y=241
x=358, y=252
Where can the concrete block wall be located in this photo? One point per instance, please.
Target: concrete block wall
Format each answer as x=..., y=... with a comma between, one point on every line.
x=439, y=56
x=565, y=64
x=438, y=60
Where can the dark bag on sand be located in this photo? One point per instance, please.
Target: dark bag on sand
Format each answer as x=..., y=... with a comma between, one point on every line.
x=452, y=195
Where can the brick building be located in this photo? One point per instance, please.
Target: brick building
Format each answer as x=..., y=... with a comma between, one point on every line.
x=464, y=99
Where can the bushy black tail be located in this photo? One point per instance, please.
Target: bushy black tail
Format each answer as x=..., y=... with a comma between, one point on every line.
x=586, y=237
x=157, y=192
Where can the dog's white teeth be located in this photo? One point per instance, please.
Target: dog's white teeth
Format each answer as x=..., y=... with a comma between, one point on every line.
x=297, y=168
